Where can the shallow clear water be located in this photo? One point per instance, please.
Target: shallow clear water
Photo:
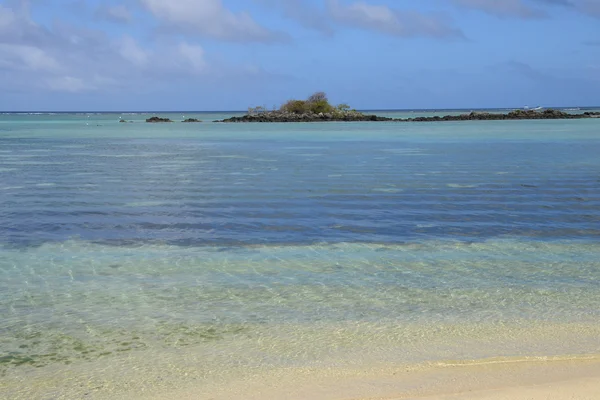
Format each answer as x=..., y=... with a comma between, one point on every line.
x=212, y=246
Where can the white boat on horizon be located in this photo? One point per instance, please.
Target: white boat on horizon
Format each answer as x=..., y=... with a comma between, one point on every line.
x=534, y=109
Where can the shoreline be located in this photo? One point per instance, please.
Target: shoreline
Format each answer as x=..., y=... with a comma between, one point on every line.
x=516, y=379
x=230, y=370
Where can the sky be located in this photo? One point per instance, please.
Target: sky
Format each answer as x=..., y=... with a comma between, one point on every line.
x=195, y=55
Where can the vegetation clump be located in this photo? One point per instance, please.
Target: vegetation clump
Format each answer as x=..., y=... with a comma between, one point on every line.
x=315, y=108
x=256, y=110
x=295, y=107
x=317, y=103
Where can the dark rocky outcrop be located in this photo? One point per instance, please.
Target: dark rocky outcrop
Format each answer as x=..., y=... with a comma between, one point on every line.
x=158, y=119
x=192, y=120
x=123, y=120
x=513, y=115
x=282, y=116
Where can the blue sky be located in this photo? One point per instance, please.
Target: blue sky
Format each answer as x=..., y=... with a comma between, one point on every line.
x=115, y=55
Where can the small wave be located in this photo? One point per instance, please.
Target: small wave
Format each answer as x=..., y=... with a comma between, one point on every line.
x=458, y=186
x=387, y=190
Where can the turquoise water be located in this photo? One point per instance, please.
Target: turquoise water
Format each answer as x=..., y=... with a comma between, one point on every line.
x=190, y=252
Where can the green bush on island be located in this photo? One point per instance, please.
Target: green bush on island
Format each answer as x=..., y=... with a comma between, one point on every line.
x=256, y=110
x=317, y=103
x=342, y=107
x=315, y=108
x=295, y=107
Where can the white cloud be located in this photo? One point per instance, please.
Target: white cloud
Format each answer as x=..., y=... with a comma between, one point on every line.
x=503, y=8
x=67, y=84
x=132, y=52
x=306, y=13
x=192, y=55
x=74, y=59
x=7, y=17
x=27, y=57
x=211, y=18
x=530, y=8
x=367, y=13
x=118, y=13
x=361, y=14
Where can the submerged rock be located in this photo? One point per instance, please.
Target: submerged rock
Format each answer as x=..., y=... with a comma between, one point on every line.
x=158, y=119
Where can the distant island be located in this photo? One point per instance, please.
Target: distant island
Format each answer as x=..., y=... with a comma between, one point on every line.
x=314, y=109
x=318, y=109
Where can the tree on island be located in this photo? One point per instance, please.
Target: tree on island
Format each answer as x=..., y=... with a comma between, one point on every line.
x=315, y=108
x=256, y=110
x=317, y=103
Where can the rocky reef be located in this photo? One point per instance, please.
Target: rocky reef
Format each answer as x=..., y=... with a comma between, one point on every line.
x=351, y=115
x=513, y=115
x=158, y=119
x=284, y=116
x=316, y=108
x=190, y=120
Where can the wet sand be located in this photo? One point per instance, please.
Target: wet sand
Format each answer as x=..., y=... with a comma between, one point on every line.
x=558, y=379
x=574, y=389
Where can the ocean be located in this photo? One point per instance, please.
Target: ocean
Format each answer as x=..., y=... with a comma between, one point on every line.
x=142, y=257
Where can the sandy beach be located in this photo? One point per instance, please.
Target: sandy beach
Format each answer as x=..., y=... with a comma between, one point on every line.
x=575, y=389
x=576, y=383
x=576, y=379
